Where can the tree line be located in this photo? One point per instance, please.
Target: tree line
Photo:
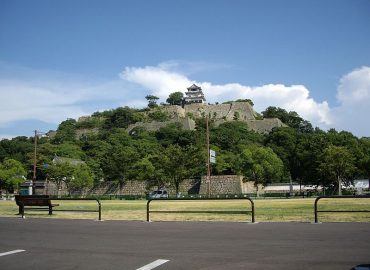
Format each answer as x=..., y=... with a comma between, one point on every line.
x=298, y=152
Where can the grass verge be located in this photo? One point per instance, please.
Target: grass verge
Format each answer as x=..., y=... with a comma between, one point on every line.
x=272, y=210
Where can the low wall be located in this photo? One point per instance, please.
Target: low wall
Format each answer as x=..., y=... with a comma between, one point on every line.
x=189, y=186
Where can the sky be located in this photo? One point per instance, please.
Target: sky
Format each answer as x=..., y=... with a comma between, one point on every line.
x=66, y=59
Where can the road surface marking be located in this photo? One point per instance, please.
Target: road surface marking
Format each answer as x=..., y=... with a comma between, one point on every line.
x=153, y=265
x=11, y=252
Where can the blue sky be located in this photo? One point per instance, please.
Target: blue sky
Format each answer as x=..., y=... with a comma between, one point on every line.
x=65, y=59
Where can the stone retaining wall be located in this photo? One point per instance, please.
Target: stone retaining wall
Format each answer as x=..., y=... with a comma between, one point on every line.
x=222, y=184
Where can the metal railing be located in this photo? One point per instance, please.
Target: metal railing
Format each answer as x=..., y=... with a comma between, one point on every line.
x=148, y=211
x=338, y=211
x=66, y=210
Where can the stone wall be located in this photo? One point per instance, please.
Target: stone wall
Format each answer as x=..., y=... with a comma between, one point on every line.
x=186, y=123
x=265, y=125
x=220, y=113
x=189, y=186
x=222, y=184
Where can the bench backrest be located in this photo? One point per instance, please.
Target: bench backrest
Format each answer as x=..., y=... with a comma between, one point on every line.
x=32, y=200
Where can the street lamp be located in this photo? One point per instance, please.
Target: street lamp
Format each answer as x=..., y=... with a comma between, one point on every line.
x=31, y=189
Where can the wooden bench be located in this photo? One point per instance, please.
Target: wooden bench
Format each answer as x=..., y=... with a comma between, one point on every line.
x=36, y=202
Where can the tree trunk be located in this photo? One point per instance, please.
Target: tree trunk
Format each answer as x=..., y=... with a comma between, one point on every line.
x=339, y=186
x=58, y=188
x=177, y=184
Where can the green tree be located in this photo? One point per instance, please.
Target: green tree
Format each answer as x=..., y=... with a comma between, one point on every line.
x=152, y=101
x=227, y=162
x=230, y=135
x=308, y=151
x=59, y=172
x=175, y=134
x=292, y=118
x=122, y=117
x=16, y=148
x=75, y=177
x=175, y=98
x=181, y=164
x=337, y=165
x=364, y=161
x=261, y=165
x=159, y=115
x=82, y=177
x=150, y=169
x=12, y=174
x=66, y=131
x=283, y=141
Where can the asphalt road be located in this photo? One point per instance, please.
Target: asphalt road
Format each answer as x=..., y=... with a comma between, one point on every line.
x=85, y=244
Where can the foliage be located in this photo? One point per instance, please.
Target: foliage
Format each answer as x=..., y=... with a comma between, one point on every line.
x=90, y=122
x=158, y=115
x=337, y=165
x=182, y=163
x=240, y=100
x=122, y=117
x=171, y=154
x=152, y=101
x=292, y=119
x=12, y=174
x=74, y=176
x=231, y=135
x=261, y=165
x=175, y=98
x=66, y=131
x=283, y=141
x=59, y=172
x=82, y=177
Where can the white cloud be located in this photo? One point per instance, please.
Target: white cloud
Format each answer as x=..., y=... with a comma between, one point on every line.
x=51, y=98
x=161, y=81
x=20, y=101
x=354, y=97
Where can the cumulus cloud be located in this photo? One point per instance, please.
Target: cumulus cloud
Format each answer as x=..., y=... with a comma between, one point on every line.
x=353, y=96
x=161, y=80
x=48, y=98
x=21, y=101
x=51, y=97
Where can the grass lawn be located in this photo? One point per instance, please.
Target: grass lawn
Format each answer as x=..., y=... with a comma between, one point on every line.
x=267, y=210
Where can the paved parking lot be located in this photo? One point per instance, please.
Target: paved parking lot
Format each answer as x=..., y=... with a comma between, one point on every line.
x=86, y=244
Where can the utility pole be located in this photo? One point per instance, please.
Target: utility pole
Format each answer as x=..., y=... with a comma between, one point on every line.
x=208, y=161
x=31, y=189
x=32, y=184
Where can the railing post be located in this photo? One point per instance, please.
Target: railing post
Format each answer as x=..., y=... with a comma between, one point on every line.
x=22, y=211
x=252, y=203
x=147, y=211
x=315, y=209
x=99, y=209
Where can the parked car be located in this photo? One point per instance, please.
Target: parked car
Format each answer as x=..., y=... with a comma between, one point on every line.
x=158, y=194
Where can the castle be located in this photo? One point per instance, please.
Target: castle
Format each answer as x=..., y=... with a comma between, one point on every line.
x=194, y=106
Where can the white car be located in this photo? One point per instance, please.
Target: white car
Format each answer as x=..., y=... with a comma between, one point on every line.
x=158, y=194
